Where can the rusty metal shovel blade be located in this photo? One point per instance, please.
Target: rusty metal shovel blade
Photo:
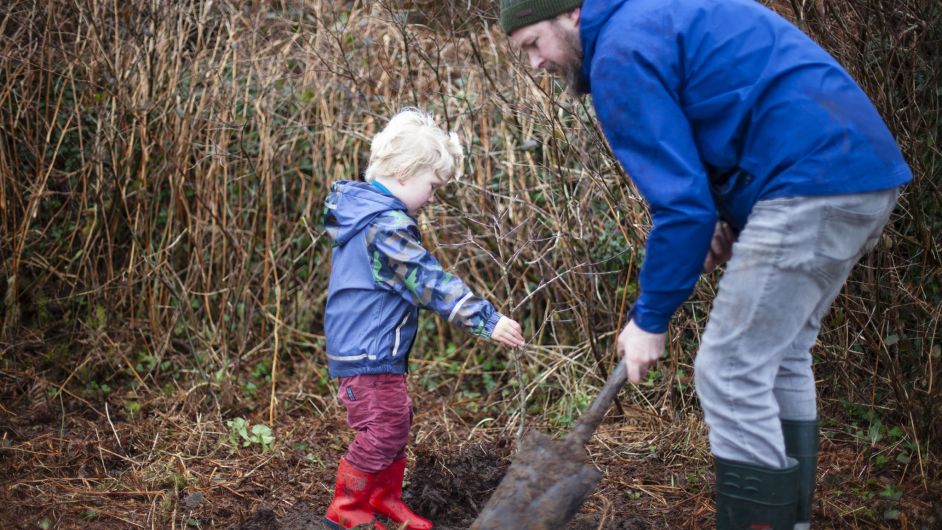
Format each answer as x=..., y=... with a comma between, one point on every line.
x=549, y=479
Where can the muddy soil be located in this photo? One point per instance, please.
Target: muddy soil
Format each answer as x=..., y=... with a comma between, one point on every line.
x=453, y=488
x=299, y=517
x=302, y=517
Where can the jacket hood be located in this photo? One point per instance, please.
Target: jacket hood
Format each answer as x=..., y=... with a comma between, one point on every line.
x=592, y=18
x=351, y=206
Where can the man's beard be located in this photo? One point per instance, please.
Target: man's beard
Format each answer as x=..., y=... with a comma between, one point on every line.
x=575, y=83
x=571, y=71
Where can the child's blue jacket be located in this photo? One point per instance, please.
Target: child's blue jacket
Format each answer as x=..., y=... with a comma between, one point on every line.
x=713, y=105
x=380, y=275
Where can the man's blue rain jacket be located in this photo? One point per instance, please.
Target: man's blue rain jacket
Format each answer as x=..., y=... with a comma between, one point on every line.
x=380, y=275
x=713, y=105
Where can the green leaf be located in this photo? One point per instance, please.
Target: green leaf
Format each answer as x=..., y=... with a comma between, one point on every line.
x=236, y=430
x=876, y=432
x=263, y=436
x=895, y=433
x=891, y=492
x=100, y=318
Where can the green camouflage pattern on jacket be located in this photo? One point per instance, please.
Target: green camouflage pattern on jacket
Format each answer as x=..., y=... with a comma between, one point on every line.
x=400, y=263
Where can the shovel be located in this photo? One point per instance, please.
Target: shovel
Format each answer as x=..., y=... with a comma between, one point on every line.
x=549, y=479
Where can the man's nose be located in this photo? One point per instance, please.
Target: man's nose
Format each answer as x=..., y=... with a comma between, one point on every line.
x=536, y=61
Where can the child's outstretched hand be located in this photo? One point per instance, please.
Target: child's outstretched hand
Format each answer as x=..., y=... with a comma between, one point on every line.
x=507, y=332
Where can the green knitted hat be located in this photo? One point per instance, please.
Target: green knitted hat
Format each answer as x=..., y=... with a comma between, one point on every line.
x=518, y=13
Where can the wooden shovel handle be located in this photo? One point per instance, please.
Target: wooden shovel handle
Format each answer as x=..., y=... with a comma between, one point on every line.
x=590, y=419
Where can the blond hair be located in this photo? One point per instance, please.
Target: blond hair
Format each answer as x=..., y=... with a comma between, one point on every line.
x=412, y=142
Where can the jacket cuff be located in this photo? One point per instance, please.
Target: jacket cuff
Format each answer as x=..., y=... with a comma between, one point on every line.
x=648, y=321
x=653, y=311
x=491, y=323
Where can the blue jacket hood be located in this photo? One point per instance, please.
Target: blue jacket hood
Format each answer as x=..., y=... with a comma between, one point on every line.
x=351, y=206
x=592, y=18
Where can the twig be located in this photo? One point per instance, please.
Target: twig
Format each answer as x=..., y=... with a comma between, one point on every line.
x=521, y=393
x=108, y=415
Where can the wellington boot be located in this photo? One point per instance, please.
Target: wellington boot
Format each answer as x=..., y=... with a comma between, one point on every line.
x=801, y=443
x=387, y=498
x=351, y=505
x=750, y=497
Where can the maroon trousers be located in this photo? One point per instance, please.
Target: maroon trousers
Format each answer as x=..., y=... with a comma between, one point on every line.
x=380, y=410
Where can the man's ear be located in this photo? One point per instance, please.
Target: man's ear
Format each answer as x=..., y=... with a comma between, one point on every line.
x=574, y=16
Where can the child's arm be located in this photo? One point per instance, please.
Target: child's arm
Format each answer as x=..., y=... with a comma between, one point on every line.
x=400, y=263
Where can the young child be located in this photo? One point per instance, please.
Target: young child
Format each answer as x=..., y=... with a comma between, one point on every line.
x=380, y=276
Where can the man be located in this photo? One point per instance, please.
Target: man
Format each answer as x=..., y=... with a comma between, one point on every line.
x=736, y=127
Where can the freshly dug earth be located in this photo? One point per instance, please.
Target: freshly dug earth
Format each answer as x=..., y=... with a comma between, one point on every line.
x=451, y=491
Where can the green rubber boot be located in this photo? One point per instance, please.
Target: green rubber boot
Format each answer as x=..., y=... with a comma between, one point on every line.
x=750, y=497
x=801, y=443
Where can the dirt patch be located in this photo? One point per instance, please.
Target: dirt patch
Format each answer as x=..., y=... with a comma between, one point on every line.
x=451, y=487
x=264, y=519
x=299, y=517
x=448, y=486
x=594, y=522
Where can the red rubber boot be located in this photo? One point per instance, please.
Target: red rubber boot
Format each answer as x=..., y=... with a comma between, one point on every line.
x=351, y=504
x=387, y=498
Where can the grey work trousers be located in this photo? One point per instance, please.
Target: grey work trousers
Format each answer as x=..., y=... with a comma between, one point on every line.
x=789, y=263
